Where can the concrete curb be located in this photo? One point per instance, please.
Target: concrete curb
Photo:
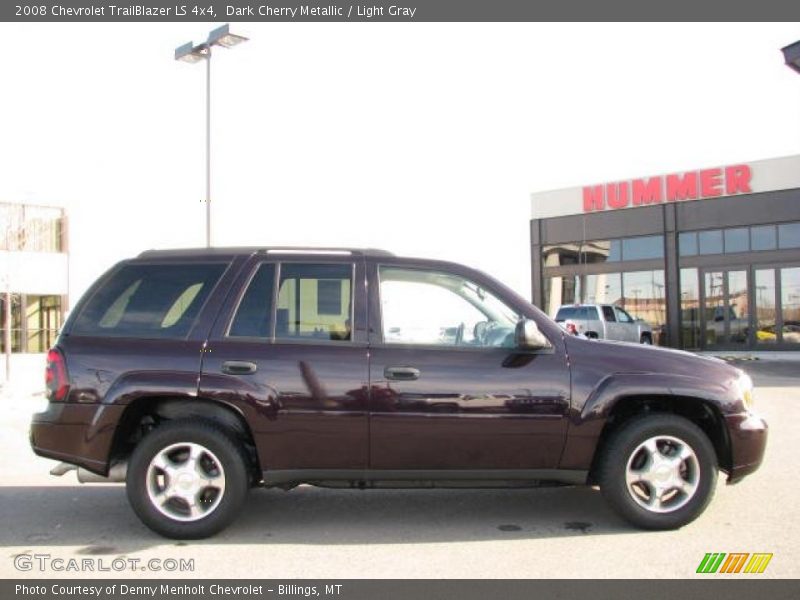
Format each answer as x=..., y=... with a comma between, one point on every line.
x=778, y=356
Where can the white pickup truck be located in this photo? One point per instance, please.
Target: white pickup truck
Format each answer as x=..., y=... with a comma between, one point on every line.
x=605, y=322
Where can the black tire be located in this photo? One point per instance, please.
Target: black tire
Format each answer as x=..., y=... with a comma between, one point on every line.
x=225, y=449
x=620, y=447
x=646, y=339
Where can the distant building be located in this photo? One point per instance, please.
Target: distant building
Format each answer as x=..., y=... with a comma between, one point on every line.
x=709, y=257
x=33, y=276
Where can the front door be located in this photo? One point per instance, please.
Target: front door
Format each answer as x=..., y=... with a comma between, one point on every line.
x=726, y=308
x=448, y=389
x=291, y=353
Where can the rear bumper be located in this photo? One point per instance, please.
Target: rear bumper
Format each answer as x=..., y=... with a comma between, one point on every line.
x=79, y=434
x=748, y=436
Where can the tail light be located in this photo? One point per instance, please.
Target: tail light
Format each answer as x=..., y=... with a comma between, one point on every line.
x=571, y=327
x=55, y=376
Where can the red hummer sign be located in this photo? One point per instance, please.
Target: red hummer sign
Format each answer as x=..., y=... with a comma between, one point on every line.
x=691, y=185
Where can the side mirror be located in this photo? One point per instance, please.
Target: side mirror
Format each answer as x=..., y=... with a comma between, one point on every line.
x=528, y=336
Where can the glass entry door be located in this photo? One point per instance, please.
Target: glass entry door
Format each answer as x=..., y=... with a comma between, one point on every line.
x=726, y=308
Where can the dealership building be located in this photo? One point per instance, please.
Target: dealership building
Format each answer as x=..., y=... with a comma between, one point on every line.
x=709, y=257
x=33, y=277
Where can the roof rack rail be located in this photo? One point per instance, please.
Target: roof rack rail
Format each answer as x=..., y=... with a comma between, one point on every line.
x=222, y=251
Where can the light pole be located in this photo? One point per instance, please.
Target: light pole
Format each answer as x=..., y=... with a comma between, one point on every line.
x=192, y=53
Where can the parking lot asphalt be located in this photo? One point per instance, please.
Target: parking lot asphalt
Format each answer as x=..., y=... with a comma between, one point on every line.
x=566, y=532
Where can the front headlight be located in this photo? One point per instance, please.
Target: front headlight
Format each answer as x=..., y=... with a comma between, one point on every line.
x=745, y=385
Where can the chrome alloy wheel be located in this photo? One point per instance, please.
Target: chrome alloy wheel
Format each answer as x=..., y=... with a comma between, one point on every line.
x=662, y=474
x=185, y=481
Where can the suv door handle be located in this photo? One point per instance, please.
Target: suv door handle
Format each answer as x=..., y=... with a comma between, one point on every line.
x=239, y=367
x=401, y=373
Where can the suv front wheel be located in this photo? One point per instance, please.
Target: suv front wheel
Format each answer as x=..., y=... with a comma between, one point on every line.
x=658, y=471
x=187, y=479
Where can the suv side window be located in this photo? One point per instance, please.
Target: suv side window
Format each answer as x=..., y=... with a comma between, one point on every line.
x=608, y=314
x=437, y=308
x=149, y=301
x=622, y=316
x=315, y=302
x=252, y=317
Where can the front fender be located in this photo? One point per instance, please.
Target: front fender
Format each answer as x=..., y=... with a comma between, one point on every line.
x=615, y=386
x=587, y=421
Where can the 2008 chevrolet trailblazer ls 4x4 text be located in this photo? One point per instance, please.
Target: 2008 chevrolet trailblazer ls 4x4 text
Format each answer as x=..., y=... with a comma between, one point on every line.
x=194, y=375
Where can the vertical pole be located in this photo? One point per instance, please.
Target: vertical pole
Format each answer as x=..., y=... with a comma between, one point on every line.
x=7, y=307
x=7, y=330
x=208, y=147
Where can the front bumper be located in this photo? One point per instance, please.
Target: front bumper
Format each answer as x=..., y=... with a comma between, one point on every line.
x=748, y=440
x=79, y=434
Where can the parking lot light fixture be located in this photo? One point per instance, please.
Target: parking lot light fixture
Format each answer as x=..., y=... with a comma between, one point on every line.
x=791, y=54
x=191, y=53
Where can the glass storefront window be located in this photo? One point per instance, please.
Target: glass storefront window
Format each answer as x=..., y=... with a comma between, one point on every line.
x=737, y=240
x=644, y=299
x=687, y=243
x=34, y=328
x=643, y=248
x=31, y=228
x=597, y=251
x=765, y=311
x=738, y=307
x=789, y=235
x=42, y=322
x=790, y=305
x=710, y=242
x=763, y=237
x=603, y=288
x=690, y=313
x=558, y=255
x=561, y=290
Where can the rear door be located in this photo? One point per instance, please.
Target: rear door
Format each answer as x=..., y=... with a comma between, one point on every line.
x=449, y=391
x=290, y=352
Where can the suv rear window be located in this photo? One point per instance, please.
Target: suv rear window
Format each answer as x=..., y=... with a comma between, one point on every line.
x=149, y=301
x=566, y=312
x=577, y=313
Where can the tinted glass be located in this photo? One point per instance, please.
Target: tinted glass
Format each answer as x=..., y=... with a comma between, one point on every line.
x=314, y=302
x=561, y=291
x=690, y=314
x=603, y=288
x=566, y=312
x=596, y=251
x=737, y=240
x=766, y=312
x=149, y=301
x=763, y=237
x=790, y=305
x=643, y=248
x=645, y=299
x=710, y=242
x=789, y=235
x=252, y=316
x=687, y=242
x=608, y=314
x=558, y=255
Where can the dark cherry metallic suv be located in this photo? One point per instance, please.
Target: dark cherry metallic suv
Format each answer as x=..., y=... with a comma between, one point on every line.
x=194, y=375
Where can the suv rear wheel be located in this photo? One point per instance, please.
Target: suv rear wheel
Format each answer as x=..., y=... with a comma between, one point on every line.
x=658, y=471
x=187, y=479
